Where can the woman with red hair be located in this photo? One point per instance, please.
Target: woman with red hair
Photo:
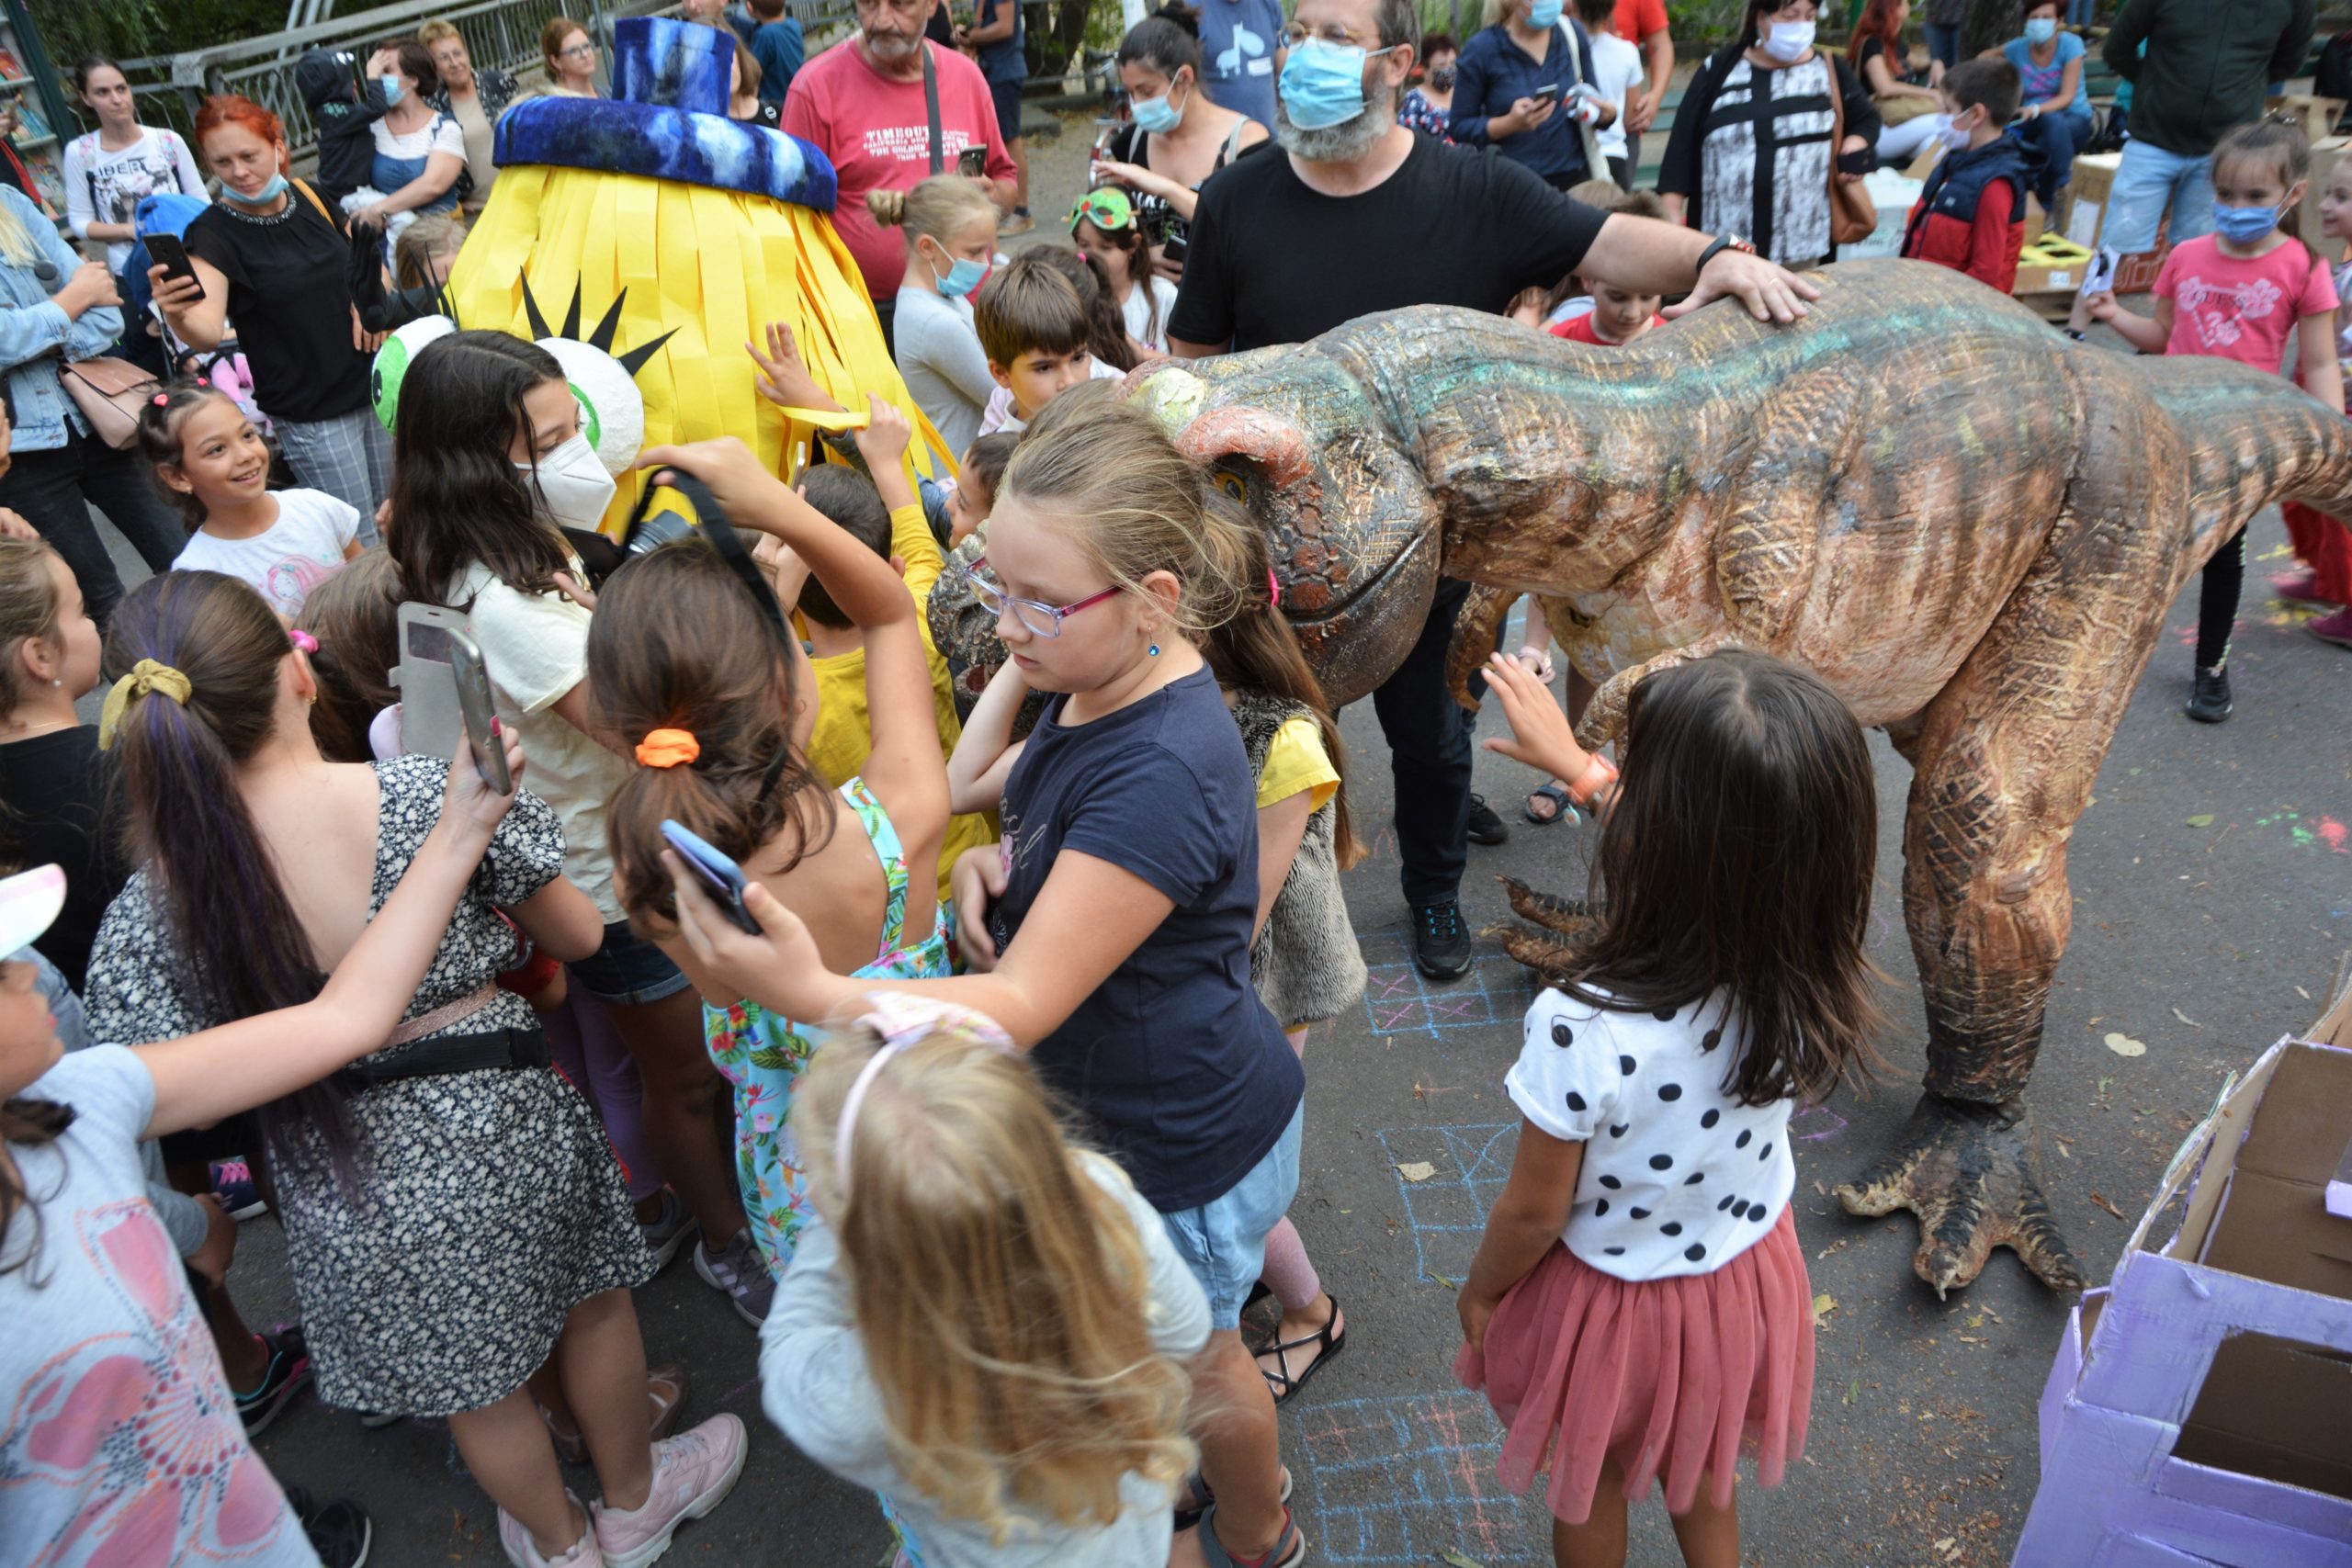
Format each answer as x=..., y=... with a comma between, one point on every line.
x=269, y=256
x=1909, y=111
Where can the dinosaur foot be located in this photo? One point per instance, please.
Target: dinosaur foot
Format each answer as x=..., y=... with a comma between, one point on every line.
x=1971, y=1173
x=1540, y=950
x=1569, y=917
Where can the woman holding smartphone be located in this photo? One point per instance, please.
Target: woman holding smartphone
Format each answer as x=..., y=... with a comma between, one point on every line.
x=1515, y=88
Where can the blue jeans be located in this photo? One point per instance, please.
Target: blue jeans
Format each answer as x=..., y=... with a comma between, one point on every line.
x=2060, y=137
x=1943, y=43
x=1223, y=1242
x=2078, y=12
x=2149, y=181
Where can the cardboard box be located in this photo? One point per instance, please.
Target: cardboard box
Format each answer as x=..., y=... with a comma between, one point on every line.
x=2092, y=190
x=2316, y=116
x=2051, y=266
x=2196, y=1410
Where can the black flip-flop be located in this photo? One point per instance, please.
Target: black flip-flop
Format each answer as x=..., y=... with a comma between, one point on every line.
x=1283, y=1384
x=1561, y=806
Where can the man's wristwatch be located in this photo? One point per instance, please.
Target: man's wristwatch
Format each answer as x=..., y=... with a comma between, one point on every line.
x=1715, y=247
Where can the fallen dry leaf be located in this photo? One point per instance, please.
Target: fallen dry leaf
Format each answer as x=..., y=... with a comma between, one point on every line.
x=2103, y=1203
x=1421, y=1169
x=2202, y=820
x=1823, y=1305
x=1455, y=1558
x=2186, y=1018
x=2122, y=1045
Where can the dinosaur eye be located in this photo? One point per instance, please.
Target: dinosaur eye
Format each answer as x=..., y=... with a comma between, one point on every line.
x=612, y=411
x=1232, y=484
x=392, y=360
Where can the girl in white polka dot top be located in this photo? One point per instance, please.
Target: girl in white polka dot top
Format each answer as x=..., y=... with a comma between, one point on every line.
x=1639, y=1305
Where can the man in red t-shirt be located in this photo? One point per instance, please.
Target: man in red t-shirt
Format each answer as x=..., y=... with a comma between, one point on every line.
x=861, y=102
x=1643, y=23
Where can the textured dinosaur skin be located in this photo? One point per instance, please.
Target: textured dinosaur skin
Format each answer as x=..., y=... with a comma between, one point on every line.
x=1970, y=527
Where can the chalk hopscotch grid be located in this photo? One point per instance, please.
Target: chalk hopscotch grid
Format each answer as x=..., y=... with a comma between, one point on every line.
x=1423, y=1467
x=1472, y=1165
x=1397, y=1002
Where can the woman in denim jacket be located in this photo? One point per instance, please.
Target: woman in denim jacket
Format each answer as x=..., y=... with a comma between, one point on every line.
x=55, y=307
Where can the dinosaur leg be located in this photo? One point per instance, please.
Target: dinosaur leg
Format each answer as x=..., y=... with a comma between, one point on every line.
x=1476, y=627
x=2003, y=761
x=1547, y=949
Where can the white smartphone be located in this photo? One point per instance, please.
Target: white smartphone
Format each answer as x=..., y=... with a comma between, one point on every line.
x=444, y=693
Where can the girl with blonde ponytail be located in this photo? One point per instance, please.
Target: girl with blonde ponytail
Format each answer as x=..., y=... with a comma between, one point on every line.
x=1110, y=933
x=907, y=1351
x=701, y=682
x=951, y=242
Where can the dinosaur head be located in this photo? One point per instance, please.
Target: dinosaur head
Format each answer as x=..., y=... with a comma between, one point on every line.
x=1348, y=516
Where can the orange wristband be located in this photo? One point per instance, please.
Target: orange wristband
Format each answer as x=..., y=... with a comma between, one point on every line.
x=1598, y=774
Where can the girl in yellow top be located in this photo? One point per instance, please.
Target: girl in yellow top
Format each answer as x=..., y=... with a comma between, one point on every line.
x=843, y=736
x=1306, y=962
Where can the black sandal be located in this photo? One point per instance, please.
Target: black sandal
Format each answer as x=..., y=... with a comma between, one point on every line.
x=1332, y=1337
x=1560, y=805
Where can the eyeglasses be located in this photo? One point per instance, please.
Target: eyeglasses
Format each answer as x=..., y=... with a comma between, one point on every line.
x=1108, y=209
x=577, y=51
x=1039, y=618
x=1331, y=32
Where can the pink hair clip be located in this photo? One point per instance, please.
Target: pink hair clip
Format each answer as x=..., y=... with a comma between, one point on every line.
x=162, y=398
x=303, y=641
x=1273, y=589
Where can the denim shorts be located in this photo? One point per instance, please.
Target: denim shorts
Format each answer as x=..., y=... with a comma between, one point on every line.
x=1223, y=1242
x=629, y=971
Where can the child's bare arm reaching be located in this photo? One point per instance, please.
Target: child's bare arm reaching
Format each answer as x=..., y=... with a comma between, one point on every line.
x=984, y=757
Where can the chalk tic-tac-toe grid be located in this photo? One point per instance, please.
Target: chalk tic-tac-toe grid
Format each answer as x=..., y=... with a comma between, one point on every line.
x=1447, y=1213
x=1402, y=1480
x=1397, y=1000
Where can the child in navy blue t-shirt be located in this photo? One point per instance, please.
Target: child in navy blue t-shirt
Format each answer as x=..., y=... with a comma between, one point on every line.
x=1109, y=933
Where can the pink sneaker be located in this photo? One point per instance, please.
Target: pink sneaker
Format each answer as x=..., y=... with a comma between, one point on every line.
x=2335, y=629
x=2302, y=589
x=692, y=1473
x=524, y=1553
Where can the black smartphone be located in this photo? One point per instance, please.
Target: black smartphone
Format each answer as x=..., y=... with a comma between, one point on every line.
x=171, y=253
x=1547, y=92
x=972, y=161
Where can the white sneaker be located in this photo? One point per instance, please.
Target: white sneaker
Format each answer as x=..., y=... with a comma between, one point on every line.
x=693, y=1472
x=522, y=1552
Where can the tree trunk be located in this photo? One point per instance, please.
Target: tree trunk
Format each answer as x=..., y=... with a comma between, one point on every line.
x=1989, y=24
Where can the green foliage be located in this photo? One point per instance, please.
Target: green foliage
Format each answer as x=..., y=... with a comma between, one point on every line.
x=1706, y=23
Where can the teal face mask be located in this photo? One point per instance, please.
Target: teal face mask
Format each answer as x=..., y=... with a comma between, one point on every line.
x=963, y=275
x=1322, y=83
x=1158, y=116
x=1543, y=15
x=2042, y=30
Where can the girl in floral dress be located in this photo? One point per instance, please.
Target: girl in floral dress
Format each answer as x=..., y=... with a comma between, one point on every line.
x=698, y=673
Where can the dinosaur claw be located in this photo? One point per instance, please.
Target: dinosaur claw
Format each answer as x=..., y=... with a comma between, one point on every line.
x=1569, y=917
x=1541, y=954
x=1972, y=1175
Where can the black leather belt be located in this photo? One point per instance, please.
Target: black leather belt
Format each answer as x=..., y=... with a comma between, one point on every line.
x=500, y=1048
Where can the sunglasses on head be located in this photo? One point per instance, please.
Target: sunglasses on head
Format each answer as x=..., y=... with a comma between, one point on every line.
x=1107, y=209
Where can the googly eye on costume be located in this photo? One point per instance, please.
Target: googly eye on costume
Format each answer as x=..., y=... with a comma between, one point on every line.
x=399, y=352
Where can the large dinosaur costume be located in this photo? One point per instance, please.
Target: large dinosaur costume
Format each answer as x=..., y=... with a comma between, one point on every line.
x=1971, y=528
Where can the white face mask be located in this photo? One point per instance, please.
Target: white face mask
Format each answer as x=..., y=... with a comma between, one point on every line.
x=1788, y=41
x=1956, y=136
x=574, y=484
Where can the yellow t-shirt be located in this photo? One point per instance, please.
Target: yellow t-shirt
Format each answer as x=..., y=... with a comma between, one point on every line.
x=1296, y=761
x=843, y=738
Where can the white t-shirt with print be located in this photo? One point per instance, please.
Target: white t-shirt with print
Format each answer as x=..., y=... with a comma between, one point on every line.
x=536, y=649
x=439, y=134
x=289, y=557
x=1617, y=67
x=1679, y=1179
x=107, y=188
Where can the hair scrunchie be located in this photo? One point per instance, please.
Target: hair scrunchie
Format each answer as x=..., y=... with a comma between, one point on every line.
x=146, y=676
x=667, y=747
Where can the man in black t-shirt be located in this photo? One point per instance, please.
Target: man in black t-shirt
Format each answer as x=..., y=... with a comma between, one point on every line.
x=1354, y=213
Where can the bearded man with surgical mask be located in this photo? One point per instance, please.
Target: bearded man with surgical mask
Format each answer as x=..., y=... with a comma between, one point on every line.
x=1347, y=213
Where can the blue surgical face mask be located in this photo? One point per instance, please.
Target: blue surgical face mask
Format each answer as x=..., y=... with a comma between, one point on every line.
x=963, y=275
x=1543, y=15
x=2040, y=30
x=277, y=187
x=391, y=90
x=1158, y=116
x=2244, y=225
x=1322, y=83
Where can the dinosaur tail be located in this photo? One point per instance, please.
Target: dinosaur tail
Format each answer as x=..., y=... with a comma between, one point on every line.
x=2254, y=440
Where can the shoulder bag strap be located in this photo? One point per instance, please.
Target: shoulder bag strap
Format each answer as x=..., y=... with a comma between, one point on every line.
x=931, y=107
x=322, y=206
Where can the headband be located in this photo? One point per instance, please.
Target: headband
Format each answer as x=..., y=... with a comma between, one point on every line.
x=667, y=747
x=904, y=1019
x=146, y=676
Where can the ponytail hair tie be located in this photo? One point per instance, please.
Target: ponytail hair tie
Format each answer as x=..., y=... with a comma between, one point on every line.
x=161, y=399
x=146, y=677
x=1273, y=589
x=667, y=747
x=303, y=641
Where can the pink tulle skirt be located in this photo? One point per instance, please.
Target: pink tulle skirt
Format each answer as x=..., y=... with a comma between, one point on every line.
x=1670, y=1378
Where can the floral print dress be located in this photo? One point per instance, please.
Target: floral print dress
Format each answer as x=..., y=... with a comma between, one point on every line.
x=761, y=1052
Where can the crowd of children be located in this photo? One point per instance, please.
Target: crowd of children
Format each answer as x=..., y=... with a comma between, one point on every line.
x=979, y=1087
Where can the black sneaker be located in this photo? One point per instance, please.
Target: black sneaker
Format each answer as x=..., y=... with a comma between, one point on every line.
x=2209, y=704
x=289, y=1370
x=1440, y=946
x=340, y=1533
x=1486, y=828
